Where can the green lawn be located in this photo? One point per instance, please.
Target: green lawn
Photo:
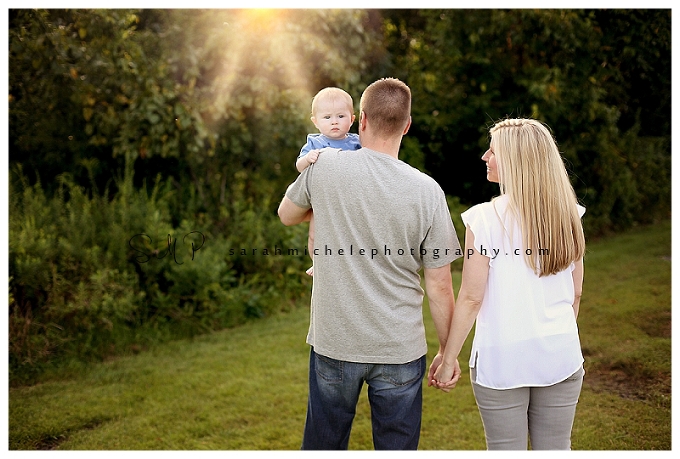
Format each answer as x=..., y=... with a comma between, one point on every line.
x=246, y=388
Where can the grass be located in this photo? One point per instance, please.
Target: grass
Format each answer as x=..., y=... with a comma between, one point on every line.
x=246, y=388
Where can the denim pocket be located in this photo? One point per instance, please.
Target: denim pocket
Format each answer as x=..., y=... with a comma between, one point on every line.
x=328, y=369
x=403, y=374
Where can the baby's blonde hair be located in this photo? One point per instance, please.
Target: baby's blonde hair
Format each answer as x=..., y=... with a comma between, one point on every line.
x=332, y=94
x=533, y=175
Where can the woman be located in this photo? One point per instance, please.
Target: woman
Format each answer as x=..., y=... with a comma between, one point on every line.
x=522, y=279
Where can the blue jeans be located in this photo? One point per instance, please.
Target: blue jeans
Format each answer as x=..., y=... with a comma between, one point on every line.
x=395, y=393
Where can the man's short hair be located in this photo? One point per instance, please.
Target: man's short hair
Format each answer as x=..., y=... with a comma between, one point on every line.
x=386, y=104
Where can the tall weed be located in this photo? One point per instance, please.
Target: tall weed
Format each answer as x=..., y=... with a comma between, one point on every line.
x=93, y=275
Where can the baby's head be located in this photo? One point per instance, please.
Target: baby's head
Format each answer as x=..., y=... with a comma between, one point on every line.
x=333, y=112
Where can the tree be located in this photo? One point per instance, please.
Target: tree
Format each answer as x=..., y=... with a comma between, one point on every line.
x=207, y=110
x=469, y=68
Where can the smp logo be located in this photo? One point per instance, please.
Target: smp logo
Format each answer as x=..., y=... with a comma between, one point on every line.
x=142, y=245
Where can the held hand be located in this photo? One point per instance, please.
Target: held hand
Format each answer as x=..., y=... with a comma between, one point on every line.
x=446, y=377
x=433, y=368
x=312, y=156
x=437, y=370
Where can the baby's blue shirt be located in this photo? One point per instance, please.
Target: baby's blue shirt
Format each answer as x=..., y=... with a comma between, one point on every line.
x=318, y=141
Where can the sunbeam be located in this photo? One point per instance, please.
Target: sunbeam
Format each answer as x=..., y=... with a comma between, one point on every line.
x=261, y=50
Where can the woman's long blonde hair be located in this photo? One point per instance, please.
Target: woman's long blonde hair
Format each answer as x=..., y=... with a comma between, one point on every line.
x=533, y=176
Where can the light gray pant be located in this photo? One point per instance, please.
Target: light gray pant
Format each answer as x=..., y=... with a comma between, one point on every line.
x=546, y=414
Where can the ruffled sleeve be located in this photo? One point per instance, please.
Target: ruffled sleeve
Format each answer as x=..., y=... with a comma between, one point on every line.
x=477, y=219
x=581, y=210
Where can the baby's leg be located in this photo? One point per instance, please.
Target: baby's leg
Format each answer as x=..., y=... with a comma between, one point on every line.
x=310, y=244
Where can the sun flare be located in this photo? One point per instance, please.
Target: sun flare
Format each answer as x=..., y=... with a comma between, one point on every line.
x=262, y=44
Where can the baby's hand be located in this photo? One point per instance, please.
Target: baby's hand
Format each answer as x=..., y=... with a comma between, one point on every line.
x=312, y=156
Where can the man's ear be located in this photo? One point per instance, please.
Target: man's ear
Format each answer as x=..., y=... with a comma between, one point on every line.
x=408, y=125
x=362, y=121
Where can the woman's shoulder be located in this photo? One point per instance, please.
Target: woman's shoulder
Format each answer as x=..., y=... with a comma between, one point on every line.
x=487, y=207
x=477, y=215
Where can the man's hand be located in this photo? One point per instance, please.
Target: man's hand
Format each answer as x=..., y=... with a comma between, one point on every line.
x=433, y=368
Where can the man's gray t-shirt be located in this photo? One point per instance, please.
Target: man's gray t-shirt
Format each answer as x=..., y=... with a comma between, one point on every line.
x=377, y=222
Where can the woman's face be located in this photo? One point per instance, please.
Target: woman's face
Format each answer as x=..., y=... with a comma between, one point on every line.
x=491, y=164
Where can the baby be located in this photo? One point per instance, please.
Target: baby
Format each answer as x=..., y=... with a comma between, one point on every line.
x=333, y=115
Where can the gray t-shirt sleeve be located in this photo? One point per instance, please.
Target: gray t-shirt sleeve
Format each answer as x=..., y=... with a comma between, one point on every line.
x=298, y=191
x=441, y=245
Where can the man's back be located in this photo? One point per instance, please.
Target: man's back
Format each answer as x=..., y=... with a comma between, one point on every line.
x=378, y=221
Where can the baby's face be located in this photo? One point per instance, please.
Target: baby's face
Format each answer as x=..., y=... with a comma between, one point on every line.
x=333, y=118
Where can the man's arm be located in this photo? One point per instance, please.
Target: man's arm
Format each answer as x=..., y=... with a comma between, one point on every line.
x=291, y=214
x=439, y=288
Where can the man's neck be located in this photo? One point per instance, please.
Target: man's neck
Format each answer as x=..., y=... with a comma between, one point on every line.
x=389, y=147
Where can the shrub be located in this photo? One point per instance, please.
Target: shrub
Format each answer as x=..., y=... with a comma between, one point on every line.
x=93, y=275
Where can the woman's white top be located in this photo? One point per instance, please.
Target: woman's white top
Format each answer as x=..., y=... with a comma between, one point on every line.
x=526, y=332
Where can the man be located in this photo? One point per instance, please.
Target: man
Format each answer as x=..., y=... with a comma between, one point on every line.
x=378, y=221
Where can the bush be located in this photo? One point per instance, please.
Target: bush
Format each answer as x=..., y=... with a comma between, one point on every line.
x=93, y=276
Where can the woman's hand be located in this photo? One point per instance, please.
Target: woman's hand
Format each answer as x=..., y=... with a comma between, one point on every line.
x=441, y=376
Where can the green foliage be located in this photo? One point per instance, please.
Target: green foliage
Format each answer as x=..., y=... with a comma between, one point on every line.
x=71, y=279
x=87, y=84
x=455, y=209
x=470, y=68
x=94, y=275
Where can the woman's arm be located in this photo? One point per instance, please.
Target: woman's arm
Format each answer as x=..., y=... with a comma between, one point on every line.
x=577, y=275
x=472, y=288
